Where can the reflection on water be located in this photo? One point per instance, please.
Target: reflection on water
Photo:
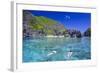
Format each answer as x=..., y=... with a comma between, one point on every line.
x=56, y=49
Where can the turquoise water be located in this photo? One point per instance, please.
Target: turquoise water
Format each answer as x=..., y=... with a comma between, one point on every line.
x=56, y=49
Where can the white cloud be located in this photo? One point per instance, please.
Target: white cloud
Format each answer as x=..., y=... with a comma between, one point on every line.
x=67, y=17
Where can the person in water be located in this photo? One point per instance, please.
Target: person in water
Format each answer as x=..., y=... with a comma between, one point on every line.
x=69, y=54
x=51, y=53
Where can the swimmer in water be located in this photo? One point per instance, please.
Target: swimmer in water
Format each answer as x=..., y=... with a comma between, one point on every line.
x=51, y=53
x=69, y=54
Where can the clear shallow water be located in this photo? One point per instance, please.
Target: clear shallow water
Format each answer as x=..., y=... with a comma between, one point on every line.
x=56, y=49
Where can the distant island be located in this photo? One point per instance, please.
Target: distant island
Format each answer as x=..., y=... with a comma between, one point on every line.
x=41, y=26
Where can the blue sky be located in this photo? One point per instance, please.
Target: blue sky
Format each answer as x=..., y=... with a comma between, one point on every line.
x=71, y=20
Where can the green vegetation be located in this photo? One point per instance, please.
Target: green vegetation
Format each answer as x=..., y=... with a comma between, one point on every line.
x=45, y=25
